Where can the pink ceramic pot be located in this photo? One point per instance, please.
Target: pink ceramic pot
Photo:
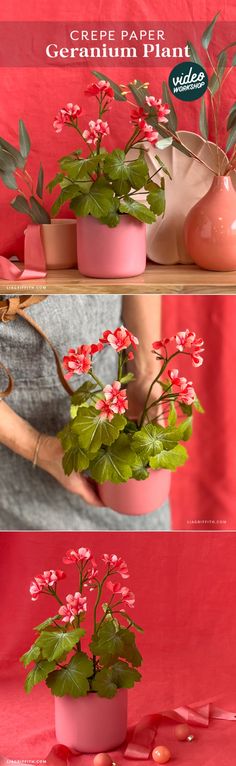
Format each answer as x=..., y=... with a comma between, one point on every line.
x=136, y=498
x=59, y=243
x=107, y=253
x=210, y=228
x=91, y=724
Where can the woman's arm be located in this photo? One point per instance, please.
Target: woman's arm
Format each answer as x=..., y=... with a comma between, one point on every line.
x=142, y=315
x=20, y=437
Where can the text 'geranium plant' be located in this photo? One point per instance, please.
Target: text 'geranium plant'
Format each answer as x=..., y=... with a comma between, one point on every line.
x=112, y=659
x=101, y=438
x=104, y=184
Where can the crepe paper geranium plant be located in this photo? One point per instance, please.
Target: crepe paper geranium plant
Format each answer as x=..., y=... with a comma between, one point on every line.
x=14, y=174
x=210, y=103
x=112, y=659
x=101, y=438
x=104, y=184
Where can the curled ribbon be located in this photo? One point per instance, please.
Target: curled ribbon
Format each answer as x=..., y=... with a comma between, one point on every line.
x=34, y=258
x=143, y=736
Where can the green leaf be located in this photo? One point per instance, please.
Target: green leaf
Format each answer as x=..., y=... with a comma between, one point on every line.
x=47, y=623
x=193, y=54
x=121, y=187
x=138, y=172
x=32, y=654
x=163, y=167
x=163, y=143
x=117, y=90
x=111, y=220
x=7, y=162
x=140, y=473
x=98, y=201
x=127, y=378
x=232, y=117
x=103, y=683
x=80, y=168
x=55, y=181
x=40, y=215
x=39, y=187
x=107, y=642
x=72, y=679
x=139, y=92
x=216, y=78
x=39, y=673
x=24, y=140
x=115, y=463
x=152, y=439
x=172, y=117
x=203, y=124
x=207, y=34
x=116, y=166
x=197, y=405
x=54, y=643
x=170, y=459
x=21, y=205
x=172, y=417
x=19, y=160
x=231, y=138
x=9, y=180
x=83, y=393
x=93, y=432
x=137, y=210
x=156, y=200
x=71, y=191
x=75, y=459
x=124, y=676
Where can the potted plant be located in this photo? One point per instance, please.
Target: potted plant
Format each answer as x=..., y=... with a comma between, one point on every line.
x=89, y=685
x=210, y=227
x=58, y=242
x=102, y=187
x=128, y=458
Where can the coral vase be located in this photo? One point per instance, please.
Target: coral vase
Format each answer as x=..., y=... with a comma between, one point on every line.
x=59, y=243
x=108, y=253
x=91, y=724
x=136, y=498
x=210, y=228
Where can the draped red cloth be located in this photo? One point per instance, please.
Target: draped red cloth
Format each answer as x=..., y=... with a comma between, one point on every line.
x=185, y=595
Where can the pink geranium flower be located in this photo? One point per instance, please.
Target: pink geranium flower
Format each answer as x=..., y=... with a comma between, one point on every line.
x=126, y=595
x=116, y=564
x=138, y=117
x=186, y=393
x=67, y=114
x=160, y=345
x=96, y=130
x=187, y=341
x=106, y=411
x=41, y=583
x=149, y=133
x=117, y=398
x=77, y=362
x=153, y=101
x=102, y=87
x=74, y=606
x=120, y=339
x=162, y=111
x=74, y=556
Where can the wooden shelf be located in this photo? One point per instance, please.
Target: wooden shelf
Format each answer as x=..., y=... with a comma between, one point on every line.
x=156, y=279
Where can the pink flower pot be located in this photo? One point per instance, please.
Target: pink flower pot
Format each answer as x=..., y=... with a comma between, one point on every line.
x=210, y=228
x=59, y=243
x=136, y=498
x=91, y=724
x=107, y=253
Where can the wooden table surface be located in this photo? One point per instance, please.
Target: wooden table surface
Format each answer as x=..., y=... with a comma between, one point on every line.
x=156, y=279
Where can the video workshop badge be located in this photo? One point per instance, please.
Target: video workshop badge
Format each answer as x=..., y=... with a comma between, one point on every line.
x=188, y=81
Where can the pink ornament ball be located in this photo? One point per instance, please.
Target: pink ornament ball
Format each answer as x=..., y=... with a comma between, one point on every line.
x=102, y=759
x=182, y=731
x=161, y=754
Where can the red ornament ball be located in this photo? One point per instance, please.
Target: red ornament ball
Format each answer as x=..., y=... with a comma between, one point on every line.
x=102, y=759
x=182, y=731
x=161, y=754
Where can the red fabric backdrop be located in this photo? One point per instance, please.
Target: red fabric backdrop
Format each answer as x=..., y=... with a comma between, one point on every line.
x=185, y=596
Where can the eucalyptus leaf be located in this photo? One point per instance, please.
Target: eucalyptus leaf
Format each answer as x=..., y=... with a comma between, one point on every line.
x=39, y=187
x=172, y=117
x=117, y=90
x=40, y=215
x=207, y=34
x=7, y=162
x=193, y=53
x=19, y=160
x=9, y=180
x=24, y=140
x=21, y=205
x=231, y=138
x=203, y=124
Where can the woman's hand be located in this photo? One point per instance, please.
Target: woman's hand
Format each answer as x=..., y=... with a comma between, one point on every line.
x=49, y=458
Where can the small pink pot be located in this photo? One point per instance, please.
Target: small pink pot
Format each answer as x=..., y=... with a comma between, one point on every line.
x=108, y=253
x=91, y=724
x=210, y=228
x=59, y=243
x=136, y=498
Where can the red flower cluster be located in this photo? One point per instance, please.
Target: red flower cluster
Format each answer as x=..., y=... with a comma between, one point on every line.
x=69, y=113
x=100, y=88
x=120, y=339
x=74, y=606
x=78, y=361
x=96, y=130
x=41, y=583
x=186, y=341
x=125, y=595
x=186, y=393
x=115, y=401
x=116, y=564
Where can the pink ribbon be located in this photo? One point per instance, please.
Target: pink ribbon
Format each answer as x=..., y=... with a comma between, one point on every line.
x=34, y=258
x=143, y=736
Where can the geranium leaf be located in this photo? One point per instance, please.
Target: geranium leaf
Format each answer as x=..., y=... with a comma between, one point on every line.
x=32, y=654
x=103, y=683
x=47, y=623
x=93, y=432
x=170, y=459
x=115, y=463
x=123, y=676
x=75, y=459
x=98, y=201
x=39, y=673
x=156, y=200
x=54, y=643
x=72, y=679
x=107, y=641
x=137, y=210
x=83, y=393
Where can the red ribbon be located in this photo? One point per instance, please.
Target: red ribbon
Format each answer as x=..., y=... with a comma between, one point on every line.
x=143, y=737
x=34, y=258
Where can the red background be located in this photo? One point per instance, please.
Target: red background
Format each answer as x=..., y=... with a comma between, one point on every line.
x=185, y=600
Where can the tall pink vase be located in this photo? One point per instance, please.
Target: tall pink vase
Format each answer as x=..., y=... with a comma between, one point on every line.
x=136, y=498
x=107, y=253
x=91, y=724
x=210, y=228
